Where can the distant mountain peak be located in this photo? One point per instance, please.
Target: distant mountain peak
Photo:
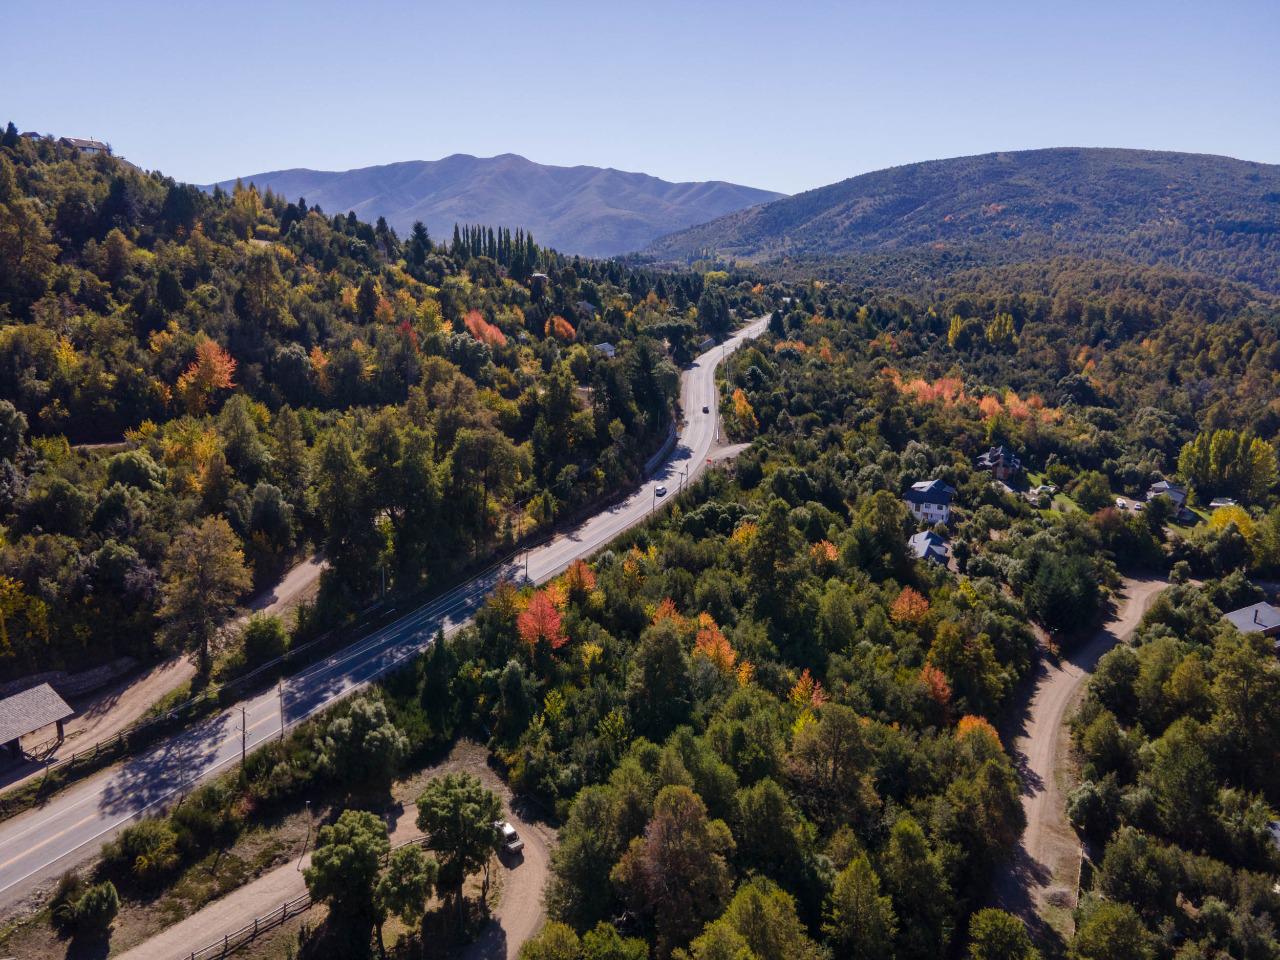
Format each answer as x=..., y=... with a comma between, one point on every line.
x=596, y=211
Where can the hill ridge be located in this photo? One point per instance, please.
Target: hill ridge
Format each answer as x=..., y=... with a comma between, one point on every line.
x=596, y=211
x=1216, y=214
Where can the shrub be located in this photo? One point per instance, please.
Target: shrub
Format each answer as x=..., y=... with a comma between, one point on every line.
x=144, y=853
x=83, y=911
x=264, y=639
x=96, y=909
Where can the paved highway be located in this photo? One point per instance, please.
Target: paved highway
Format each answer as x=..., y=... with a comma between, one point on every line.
x=42, y=842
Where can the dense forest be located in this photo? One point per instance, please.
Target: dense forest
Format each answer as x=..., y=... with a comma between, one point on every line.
x=1215, y=215
x=194, y=387
x=766, y=727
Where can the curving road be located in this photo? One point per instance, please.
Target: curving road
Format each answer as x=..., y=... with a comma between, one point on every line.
x=1041, y=881
x=42, y=842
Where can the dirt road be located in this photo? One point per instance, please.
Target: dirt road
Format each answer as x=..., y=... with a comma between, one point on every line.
x=518, y=916
x=1040, y=884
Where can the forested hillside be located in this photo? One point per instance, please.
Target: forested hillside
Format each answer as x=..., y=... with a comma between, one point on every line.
x=265, y=376
x=585, y=210
x=1212, y=214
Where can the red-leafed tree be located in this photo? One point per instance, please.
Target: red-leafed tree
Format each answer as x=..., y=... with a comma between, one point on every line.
x=483, y=330
x=540, y=622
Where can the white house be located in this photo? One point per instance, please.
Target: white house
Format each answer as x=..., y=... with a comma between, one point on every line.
x=1176, y=493
x=930, y=501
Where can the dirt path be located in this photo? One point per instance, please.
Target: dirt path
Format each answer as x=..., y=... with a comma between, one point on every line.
x=1041, y=882
x=518, y=916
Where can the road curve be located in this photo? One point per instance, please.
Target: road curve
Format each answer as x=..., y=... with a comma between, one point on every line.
x=38, y=844
x=1040, y=883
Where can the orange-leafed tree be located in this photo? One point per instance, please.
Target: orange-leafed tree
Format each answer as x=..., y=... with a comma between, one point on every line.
x=483, y=330
x=971, y=726
x=540, y=622
x=823, y=554
x=910, y=607
x=807, y=693
x=579, y=579
x=711, y=643
x=667, y=611
x=212, y=370
x=936, y=686
x=560, y=328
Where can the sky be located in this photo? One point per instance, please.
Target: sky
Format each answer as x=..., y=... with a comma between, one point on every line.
x=781, y=95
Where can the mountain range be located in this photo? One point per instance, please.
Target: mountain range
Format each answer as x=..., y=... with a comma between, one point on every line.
x=1192, y=211
x=586, y=210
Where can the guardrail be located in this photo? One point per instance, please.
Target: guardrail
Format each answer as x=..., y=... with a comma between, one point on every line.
x=250, y=932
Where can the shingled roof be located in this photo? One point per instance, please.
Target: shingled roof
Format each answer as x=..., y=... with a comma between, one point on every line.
x=29, y=710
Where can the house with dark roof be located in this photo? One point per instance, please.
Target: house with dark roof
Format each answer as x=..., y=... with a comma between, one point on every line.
x=87, y=147
x=1001, y=461
x=930, y=501
x=927, y=545
x=28, y=711
x=1260, y=618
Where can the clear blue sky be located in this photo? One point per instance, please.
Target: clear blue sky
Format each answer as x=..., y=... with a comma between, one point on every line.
x=785, y=95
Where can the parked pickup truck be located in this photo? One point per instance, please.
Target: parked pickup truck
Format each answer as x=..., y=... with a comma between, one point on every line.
x=510, y=840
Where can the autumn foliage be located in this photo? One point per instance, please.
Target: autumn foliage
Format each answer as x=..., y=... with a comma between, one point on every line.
x=579, y=579
x=910, y=607
x=807, y=693
x=540, y=622
x=483, y=330
x=560, y=328
x=212, y=370
x=936, y=685
x=971, y=725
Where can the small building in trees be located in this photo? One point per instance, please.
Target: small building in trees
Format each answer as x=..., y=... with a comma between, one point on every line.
x=29, y=711
x=930, y=501
x=89, y=148
x=608, y=349
x=1001, y=461
x=1260, y=618
x=1176, y=493
x=927, y=545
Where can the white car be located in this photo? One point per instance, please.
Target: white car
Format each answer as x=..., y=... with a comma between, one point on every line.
x=510, y=840
x=1121, y=504
x=661, y=491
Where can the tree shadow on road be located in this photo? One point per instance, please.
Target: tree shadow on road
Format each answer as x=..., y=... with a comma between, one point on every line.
x=149, y=778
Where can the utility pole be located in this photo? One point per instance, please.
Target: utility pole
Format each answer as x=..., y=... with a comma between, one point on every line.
x=244, y=736
x=280, y=691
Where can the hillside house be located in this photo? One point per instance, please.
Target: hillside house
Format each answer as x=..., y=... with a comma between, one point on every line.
x=930, y=501
x=927, y=545
x=90, y=148
x=1001, y=461
x=1176, y=493
x=608, y=349
x=1260, y=618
